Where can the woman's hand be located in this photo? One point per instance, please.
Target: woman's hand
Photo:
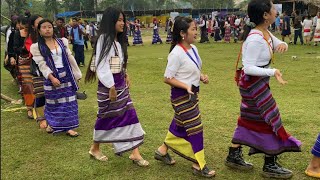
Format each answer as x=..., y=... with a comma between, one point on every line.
x=204, y=78
x=113, y=94
x=189, y=89
x=12, y=61
x=281, y=48
x=127, y=81
x=55, y=82
x=278, y=76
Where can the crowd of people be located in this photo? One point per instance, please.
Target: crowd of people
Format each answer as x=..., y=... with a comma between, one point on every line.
x=222, y=28
x=39, y=58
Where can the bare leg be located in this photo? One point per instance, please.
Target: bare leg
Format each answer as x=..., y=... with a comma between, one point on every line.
x=314, y=165
x=95, y=148
x=135, y=154
x=163, y=149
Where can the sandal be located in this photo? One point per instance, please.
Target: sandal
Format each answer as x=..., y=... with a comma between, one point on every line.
x=203, y=172
x=141, y=162
x=312, y=174
x=75, y=134
x=49, y=129
x=99, y=156
x=81, y=95
x=164, y=158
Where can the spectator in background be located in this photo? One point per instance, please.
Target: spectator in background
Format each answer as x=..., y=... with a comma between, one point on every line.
x=314, y=24
x=60, y=30
x=203, y=29
x=297, y=25
x=86, y=36
x=77, y=33
x=307, y=25
x=277, y=24
x=92, y=34
x=286, y=30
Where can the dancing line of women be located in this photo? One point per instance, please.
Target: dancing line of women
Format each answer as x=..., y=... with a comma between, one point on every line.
x=259, y=124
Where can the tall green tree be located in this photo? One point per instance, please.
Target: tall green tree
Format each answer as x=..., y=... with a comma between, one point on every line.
x=16, y=6
x=51, y=8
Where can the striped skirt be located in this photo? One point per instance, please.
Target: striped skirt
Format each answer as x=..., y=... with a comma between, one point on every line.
x=137, y=37
x=61, y=110
x=156, y=37
x=259, y=124
x=27, y=83
x=117, y=121
x=316, y=148
x=185, y=135
x=40, y=100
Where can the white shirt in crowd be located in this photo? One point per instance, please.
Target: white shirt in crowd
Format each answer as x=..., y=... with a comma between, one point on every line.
x=255, y=52
x=307, y=23
x=237, y=22
x=103, y=71
x=202, y=23
x=87, y=29
x=182, y=68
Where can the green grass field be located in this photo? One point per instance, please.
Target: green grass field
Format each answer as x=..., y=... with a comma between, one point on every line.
x=30, y=153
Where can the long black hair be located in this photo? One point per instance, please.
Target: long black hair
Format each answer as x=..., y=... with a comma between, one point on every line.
x=41, y=41
x=180, y=24
x=108, y=33
x=32, y=31
x=256, y=10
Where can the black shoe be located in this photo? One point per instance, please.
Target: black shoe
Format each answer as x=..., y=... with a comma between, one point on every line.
x=235, y=160
x=81, y=96
x=272, y=169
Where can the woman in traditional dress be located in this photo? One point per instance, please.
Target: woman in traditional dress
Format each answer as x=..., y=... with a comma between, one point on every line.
x=227, y=32
x=307, y=25
x=137, y=39
x=216, y=28
x=313, y=169
x=156, y=36
x=61, y=73
x=259, y=124
x=183, y=74
x=37, y=78
x=117, y=120
x=169, y=31
x=22, y=43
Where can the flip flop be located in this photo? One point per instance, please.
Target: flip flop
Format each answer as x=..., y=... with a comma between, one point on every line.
x=99, y=157
x=312, y=174
x=73, y=135
x=49, y=129
x=164, y=158
x=141, y=162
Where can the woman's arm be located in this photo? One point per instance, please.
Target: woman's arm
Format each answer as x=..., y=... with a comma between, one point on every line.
x=39, y=59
